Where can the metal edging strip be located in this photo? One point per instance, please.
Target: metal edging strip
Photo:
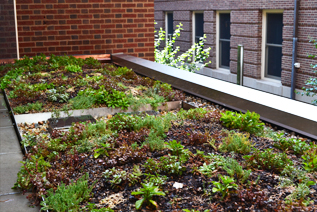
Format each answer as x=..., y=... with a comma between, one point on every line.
x=16, y=128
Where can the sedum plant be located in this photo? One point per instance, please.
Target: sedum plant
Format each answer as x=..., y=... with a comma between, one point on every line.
x=189, y=60
x=236, y=142
x=147, y=192
x=68, y=198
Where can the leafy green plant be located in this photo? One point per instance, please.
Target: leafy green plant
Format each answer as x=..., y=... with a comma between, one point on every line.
x=10, y=75
x=207, y=169
x=147, y=192
x=103, y=150
x=171, y=165
x=310, y=159
x=187, y=61
x=136, y=175
x=112, y=99
x=73, y=68
x=120, y=71
x=68, y=198
x=178, y=150
x=32, y=167
x=236, y=142
x=224, y=185
x=123, y=121
x=268, y=160
x=250, y=121
x=294, y=174
x=151, y=166
x=29, y=139
x=91, y=62
x=298, y=146
x=155, y=179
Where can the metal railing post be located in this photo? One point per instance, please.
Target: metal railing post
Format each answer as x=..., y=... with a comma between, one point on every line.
x=240, y=65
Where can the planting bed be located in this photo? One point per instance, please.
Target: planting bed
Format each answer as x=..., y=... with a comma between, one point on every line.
x=199, y=159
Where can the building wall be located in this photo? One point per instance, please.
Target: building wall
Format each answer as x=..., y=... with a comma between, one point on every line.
x=246, y=29
x=7, y=30
x=86, y=27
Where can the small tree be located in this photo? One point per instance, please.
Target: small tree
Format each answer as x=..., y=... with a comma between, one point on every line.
x=187, y=61
x=312, y=81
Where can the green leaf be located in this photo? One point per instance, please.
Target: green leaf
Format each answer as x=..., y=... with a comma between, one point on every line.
x=153, y=203
x=138, y=204
x=309, y=183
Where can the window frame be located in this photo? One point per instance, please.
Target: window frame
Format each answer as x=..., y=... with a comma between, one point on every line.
x=218, y=49
x=264, y=51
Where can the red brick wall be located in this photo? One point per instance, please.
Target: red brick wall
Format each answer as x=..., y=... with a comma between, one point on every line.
x=86, y=27
x=7, y=30
x=246, y=29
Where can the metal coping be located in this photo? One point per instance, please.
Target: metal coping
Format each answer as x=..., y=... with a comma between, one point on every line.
x=290, y=114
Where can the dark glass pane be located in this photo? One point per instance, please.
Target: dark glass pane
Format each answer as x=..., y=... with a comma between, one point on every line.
x=170, y=23
x=199, y=24
x=274, y=58
x=224, y=53
x=274, y=28
x=224, y=25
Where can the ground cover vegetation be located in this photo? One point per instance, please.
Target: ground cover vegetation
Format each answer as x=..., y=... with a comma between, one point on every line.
x=39, y=85
x=133, y=162
x=203, y=159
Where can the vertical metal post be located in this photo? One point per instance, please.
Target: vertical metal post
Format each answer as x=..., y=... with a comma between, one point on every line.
x=16, y=28
x=240, y=65
x=294, y=51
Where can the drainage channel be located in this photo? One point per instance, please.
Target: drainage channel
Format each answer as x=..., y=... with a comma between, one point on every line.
x=292, y=115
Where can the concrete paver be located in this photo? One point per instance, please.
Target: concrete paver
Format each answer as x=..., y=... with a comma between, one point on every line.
x=2, y=103
x=9, y=141
x=16, y=203
x=10, y=157
x=9, y=167
x=5, y=120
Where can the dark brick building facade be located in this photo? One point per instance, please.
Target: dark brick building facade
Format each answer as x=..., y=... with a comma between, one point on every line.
x=248, y=27
x=82, y=27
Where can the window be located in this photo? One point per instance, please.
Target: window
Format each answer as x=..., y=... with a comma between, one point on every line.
x=169, y=25
x=224, y=40
x=199, y=26
x=273, y=45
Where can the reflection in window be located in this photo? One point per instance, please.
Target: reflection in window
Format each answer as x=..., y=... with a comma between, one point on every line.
x=199, y=26
x=224, y=39
x=170, y=28
x=273, y=47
